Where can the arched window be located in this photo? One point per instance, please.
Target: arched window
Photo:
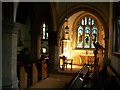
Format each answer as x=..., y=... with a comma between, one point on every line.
x=44, y=31
x=87, y=32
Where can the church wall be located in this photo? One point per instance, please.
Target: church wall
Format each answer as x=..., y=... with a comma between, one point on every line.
x=115, y=62
x=80, y=57
x=114, y=59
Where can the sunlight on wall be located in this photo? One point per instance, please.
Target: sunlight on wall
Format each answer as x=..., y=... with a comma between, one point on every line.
x=77, y=55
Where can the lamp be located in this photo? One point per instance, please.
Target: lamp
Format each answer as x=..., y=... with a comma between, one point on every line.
x=66, y=27
x=66, y=20
x=66, y=32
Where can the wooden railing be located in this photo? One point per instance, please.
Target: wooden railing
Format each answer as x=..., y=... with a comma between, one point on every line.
x=80, y=79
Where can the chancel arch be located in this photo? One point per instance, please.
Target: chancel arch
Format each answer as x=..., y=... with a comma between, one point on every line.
x=98, y=24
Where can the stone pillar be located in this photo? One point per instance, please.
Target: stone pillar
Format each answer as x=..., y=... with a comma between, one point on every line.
x=35, y=43
x=53, y=64
x=53, y=53
x=9, y=48
x=9, y=56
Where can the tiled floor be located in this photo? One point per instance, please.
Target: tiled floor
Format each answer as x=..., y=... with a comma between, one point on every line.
x=59, y=80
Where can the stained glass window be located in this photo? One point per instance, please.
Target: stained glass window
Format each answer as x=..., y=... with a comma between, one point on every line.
x=45, y=31
x=87, y=32
x=89, y=21
x=80, y=37
x=94, y=35
x=87, y=37
x=82, y=22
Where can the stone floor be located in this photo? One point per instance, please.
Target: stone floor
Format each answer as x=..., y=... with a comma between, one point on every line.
x=58, y=80
x=61, y=79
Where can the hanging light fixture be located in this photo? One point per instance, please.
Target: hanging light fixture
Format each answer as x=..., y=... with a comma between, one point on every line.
x=66, y=33
x=66, y=27
x=66, y=21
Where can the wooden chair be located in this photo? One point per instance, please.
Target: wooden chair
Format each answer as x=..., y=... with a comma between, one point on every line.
x=66, y=62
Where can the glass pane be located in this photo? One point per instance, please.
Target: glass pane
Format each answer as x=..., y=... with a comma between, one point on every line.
x=92, y=22
x=82, y=22
x=94, y=36
x=46, y=35
x=85, y=21
x=46, y=32
x=87, y=37
x=89, y=21
x=43, y=37
x=80, y=37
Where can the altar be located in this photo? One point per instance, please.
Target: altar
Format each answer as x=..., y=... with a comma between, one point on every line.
x=86, y=59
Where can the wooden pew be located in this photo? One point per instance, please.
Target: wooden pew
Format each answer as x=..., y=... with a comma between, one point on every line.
x=28, y=75
x=80, y=79
x=44, y=70
x=23, y=77
x=28, y=69
x=34, y=74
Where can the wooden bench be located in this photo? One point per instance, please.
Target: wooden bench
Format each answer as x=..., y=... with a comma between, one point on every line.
x=22, y=77
x=34, y=74
x=80, y=79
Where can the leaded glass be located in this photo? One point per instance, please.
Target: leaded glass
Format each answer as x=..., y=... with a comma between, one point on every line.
x=94, y=35
x=92, y=22
x=82, y=22
x=87, y=37
x=43, y=37
x=44, y=31
x=89, y=21
x=87, y=32
x=80, y=37
x=85, y=20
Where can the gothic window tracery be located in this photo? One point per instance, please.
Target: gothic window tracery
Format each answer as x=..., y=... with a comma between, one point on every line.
x=87, y=31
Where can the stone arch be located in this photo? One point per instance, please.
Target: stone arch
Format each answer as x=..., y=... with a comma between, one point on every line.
x=90, y=9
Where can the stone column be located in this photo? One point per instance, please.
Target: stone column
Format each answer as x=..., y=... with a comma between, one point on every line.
x=9, y=56
x=53, y=64
x=53, y=53
x=35, y=40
